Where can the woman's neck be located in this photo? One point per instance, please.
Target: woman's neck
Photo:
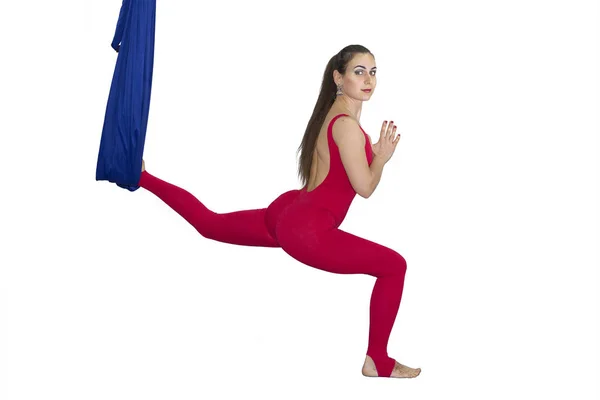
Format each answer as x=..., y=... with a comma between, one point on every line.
x=348, y=106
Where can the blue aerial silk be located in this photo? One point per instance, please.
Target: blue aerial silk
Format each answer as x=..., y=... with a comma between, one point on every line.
x=126, y=118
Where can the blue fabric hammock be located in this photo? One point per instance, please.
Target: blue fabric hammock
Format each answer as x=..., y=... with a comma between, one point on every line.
x=126, y=118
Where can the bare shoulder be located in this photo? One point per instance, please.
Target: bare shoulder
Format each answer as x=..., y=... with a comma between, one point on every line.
x=344, y=128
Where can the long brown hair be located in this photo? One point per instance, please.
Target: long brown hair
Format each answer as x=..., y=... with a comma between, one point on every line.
x=325, y=100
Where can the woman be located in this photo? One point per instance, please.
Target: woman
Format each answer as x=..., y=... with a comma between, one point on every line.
x=337, y=161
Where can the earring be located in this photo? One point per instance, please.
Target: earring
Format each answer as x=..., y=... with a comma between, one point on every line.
x=339, y=91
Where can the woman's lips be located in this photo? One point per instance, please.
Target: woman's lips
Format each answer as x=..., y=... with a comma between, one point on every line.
x=366, y=90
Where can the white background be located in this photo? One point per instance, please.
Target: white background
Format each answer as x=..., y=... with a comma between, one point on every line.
x=491, y=196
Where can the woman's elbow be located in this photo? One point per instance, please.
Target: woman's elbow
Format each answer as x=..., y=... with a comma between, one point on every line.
x=364, y=192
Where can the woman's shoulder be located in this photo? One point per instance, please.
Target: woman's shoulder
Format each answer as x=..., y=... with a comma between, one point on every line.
x=346, y=127
x=339, y=115
x=341, y=120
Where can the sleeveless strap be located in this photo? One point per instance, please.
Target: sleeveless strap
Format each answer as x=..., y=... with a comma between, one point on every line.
x=333, y=120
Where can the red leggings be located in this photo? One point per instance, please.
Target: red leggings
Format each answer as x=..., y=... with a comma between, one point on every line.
x=310, y=235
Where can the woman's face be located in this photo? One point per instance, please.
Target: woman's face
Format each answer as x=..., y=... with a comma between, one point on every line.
x=360, y=76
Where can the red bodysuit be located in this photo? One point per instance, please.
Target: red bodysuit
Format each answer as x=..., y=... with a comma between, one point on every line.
x=305, y=225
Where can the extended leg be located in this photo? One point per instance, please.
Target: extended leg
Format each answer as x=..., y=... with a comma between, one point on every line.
x=245, y=228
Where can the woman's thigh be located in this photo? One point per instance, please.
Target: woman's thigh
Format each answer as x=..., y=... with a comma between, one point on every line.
x=310, y=236
x=255, y=227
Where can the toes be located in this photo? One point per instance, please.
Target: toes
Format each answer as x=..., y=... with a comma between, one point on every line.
x=407, y=372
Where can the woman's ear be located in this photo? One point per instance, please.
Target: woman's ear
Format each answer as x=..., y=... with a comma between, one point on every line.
x=337, y=77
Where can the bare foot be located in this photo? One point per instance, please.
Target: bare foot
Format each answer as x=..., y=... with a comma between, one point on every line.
x=400, y=371
x=143, y=166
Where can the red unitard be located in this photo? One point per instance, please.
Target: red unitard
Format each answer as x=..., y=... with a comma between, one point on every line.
x=305, y=225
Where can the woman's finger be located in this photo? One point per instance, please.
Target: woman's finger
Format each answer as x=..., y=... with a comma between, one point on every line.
x=390, y=134
x=381, y=134
x=390, y=128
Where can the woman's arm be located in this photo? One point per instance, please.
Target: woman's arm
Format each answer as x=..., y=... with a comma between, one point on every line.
x=370, y=143
x=350, y=141
x=376, y=168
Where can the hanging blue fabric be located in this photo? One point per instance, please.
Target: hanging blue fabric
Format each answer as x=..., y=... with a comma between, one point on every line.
x=126, y=118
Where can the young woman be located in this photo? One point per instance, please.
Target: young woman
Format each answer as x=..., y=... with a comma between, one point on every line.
x=337, y=161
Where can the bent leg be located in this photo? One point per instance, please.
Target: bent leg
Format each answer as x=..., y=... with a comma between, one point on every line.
x=245, y=228
x=340, y=252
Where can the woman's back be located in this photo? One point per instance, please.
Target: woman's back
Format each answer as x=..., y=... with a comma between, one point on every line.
x=329, y=185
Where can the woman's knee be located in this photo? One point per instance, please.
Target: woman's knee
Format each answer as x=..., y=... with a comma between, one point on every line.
x=399, y=263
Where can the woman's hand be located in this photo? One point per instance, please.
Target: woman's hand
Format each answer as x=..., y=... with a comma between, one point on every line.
x=387, y=143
